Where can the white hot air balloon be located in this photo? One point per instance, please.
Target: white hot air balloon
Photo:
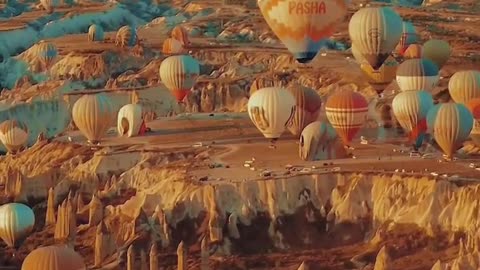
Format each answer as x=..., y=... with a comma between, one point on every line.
x=129, y=120
x=271, y=109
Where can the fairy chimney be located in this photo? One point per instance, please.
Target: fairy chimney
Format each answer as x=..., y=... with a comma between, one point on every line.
x=95, y=214
x=80, y=204
x=303, y=266
x=143, y=260
x=50, y=215
x=153, y=257
x=182, y=254
x=130, y=258
x=204, y=254
x=383, y=261
x=104, y=244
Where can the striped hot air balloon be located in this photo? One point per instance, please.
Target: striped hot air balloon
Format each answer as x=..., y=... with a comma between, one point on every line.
x=375, y=31
x=409, y=37
x=58, y=257
x=172, y=46
x=347, y=111
x=13, y=134
x=411, y=109
x=126, y=36
x=415, y=74
x=179, y=74
x=438, y=51
x=450, y=124
x=129, y=120
x=271, y=110
x=308, y=104
x=93, y=115
x=95, y=33
x=381, y=78
x=473, y=106
x=16, y=223
x=181, y=34
x=303, y=25
x=464, y=85
x=46, y=53
x=264, y=82
x=317, y=141
x=413, y=51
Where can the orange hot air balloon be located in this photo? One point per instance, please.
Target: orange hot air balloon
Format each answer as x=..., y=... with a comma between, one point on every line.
x=172, y=46
x=181, y=34
x=473, y=106
x=381, y=78
x=413, y=51
x=347, y=112
x=179, y=73
x=303, y=25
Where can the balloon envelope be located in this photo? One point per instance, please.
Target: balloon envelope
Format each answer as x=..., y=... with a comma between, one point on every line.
x=413, y=51
x=381, y=78
x=409, y=37
x=450, y=124
x=303, y=25
x=464, y=85
x=179, y=74
x=16, y=223
x=308, y=104
x=13, y=134
x=271, y=109
x=438, y=51
x=54, y=258
x=319, y=141
x=417, y=74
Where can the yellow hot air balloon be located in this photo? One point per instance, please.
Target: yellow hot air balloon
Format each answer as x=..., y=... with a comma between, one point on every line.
x=13, y=134
x=438, y=51
x=126, y=36
x=417, y=74
x=271, y=110
x=307, y=108
x=347, y=111
x=46, y=53
x=93, y=115
x=95, y=33
x=451, y=124
x=375, y=31
x=172, y=46
x=180, y=33
x=60, y=257
x=357, y=54
x=129, y=120
x=16, y=223
x=381, y=78
x=464, y=85
x=303, y=25
x=179, y=73
x=409, y=37
x=413, y=51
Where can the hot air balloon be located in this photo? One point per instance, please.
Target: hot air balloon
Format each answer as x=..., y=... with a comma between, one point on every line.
x=126, y=36
x=381, y=78
x=172, y=46
x=180, y=34
x=375, y=31
x=46, y=53
x=319, y=141
x=264, y=82
x=347, y=111
x=450, y=124
x=413, y=51
x=438, y=51
x=49, y=5
x=409, y=37
x=95, y=33
x=357, y=54
x=303, y=25
x=13, y=134
x=179, y=73
x=59, y=257
x=308, y=104
x=473, y=106
x=464, y=85
x=414, y=74
x=411, y=109
x=93, y=115
x=16, y=223
x=129, y=120
x=271, y=110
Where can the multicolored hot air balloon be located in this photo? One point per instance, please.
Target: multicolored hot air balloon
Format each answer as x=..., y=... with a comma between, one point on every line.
x=179, y=74
x=411, y=109
x=93, y=115
x=319, y=141
x=415, y=74
x=473, y=106
x=126, y=36
x=307, y=109
x=409, y=37
x=375, y=31
x=381, y=78
x=271, y=109
x=95, y=33
x=180, y=34
x=347, y=111
x=438, y=51
x=46, y=53
x=13, y=134
x=129, y=120
x=413, y=51
x=172, y=46
x=464, y=85
x=303, y=25
x=16, y=223
x=59, y=257
x=451, y=124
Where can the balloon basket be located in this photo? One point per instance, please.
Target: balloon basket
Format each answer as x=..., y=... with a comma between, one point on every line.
x=273, y=143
